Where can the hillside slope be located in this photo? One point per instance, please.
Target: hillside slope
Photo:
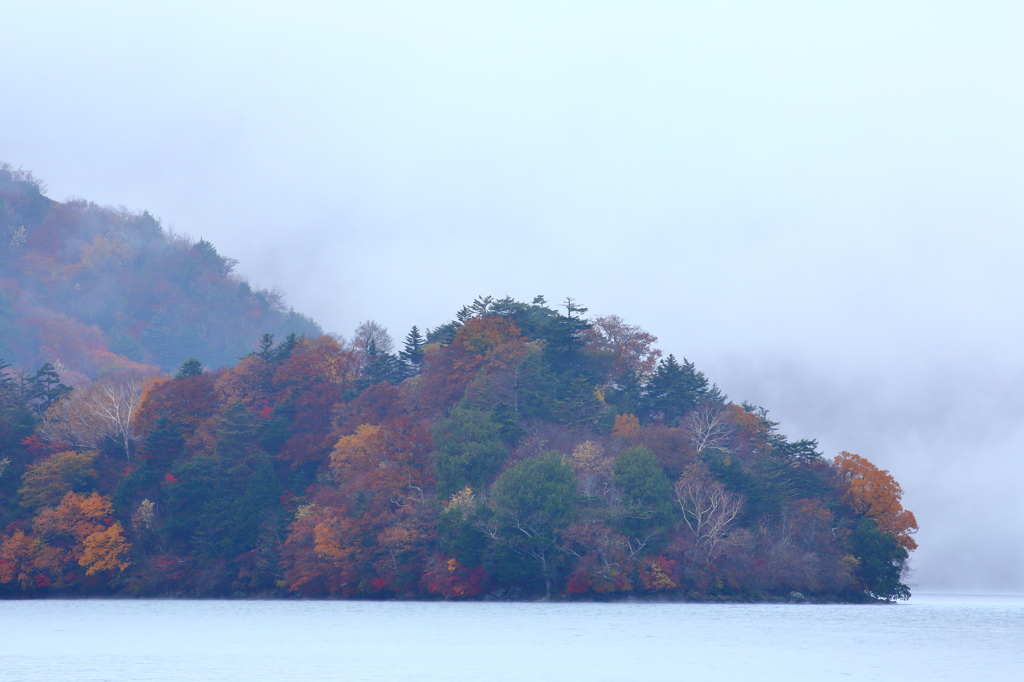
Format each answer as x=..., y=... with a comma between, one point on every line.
x=95, y=289
x=519, y=450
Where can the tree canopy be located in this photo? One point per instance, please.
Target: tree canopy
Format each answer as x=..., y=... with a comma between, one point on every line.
x=167, y=430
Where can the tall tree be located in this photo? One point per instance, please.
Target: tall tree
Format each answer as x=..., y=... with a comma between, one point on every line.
x=5, y=378
x=217, y=502
x=709, y=510
x=104, y=410
x=874, y=493
x=631, y=347
x=381, y=367
x=47, y=388
x=412, y=354
x=468, y=451
x=371, y=332
x=534, y=502
x=646, y=495
x=673, y=390
x=881, y=561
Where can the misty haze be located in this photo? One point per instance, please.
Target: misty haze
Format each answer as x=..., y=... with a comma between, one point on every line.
x=814, y=212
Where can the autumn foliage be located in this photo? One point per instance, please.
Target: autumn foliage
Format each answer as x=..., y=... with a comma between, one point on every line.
x=97, y=289
x=510, y=461
x=874, y=493
x=519, y=450
x=64, y=545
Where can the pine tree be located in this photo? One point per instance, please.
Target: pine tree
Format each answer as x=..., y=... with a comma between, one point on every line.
x=164, y=442
x=5, y=380
x=285, y=348
x=266, y=345
x=382, y=367
x=673, y=390
x=412, y=356
x=46, y=388
x=190, y=368
x=237, y=437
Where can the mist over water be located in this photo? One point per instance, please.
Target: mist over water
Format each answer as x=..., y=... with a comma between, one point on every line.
x=820, y=206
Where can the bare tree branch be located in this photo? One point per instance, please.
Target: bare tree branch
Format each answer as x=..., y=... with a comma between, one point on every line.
x=104, y=409
x=708, y=428
x=708, y=508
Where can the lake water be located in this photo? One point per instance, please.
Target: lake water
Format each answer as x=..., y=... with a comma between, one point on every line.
x=929, y=638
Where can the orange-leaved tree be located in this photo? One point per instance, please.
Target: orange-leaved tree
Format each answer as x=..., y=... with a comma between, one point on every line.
x=625, y=426
x=874, y=493
x=451, y=368
x=630, y=346
x=311, y=382
x=77, y=533
x=369, y=532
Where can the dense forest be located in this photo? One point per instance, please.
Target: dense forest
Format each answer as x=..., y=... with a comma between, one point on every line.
x=93, y=289
x=165, y=429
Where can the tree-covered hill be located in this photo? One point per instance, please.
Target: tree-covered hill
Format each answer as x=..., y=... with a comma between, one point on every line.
x=94, y=289
x=519, y=450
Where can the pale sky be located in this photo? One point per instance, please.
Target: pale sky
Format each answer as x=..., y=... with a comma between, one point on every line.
x=818, y=203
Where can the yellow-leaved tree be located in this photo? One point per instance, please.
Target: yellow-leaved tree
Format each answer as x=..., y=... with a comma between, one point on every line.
x=78, y=532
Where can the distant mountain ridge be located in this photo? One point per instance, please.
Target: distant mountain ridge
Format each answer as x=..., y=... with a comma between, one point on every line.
x=97, y=289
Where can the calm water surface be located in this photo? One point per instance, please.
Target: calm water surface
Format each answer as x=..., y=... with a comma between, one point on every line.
x=930, y=638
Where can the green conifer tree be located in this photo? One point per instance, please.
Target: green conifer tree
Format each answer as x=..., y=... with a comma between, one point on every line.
x=47, y=388
x=190, y=368
x=412, y=355
x=673, y=390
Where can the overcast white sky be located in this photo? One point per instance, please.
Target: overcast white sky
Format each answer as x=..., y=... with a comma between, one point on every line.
x=819, y=203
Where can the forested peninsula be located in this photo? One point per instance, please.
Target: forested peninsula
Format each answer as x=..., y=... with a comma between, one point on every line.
x=168, y=430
